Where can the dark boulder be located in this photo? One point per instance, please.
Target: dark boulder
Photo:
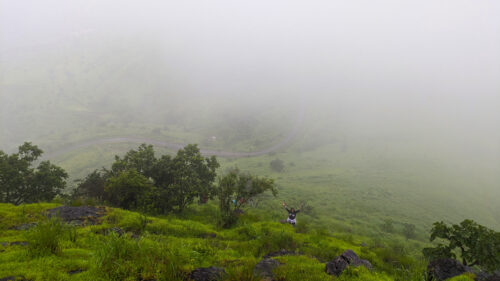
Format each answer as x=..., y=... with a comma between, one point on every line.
x=264, y=269
x=279, y=253
x=78, y=215
x=25, y=226
x=115, y=230
x=75, y=271
x=15, y=243
x=347, y=258
x=13, y=278
x=207, y=274
x=442, y=269
x=487, y=277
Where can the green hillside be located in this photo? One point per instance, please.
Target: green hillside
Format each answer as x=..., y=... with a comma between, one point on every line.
x=168, y=248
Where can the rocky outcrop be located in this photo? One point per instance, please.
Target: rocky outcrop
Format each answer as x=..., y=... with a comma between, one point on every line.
x=264, y=269
x=13, y=278
x=279, y=253
x=25, y=226
x=15, y=243
x=483, y=276
x=78, y=215
x=207, y=274
x=340, y=263
x=442, y=269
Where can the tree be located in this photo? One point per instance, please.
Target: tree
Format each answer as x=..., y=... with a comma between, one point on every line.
x=93, y=186
x=388, y=226
x=176, y=182
x=476, y=244
x=128, y=189
x=142, y=160
x=20, y=182
x=277, y=165
x=409, y=231
x=236, y=189
x=192, y=176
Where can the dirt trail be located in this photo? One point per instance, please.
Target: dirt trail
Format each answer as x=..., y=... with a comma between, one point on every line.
x=175, y=146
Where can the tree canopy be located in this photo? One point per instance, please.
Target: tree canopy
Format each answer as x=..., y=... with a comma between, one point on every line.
x=236, y=189
x=174, y=182
x=20, y=182
x=476, y=244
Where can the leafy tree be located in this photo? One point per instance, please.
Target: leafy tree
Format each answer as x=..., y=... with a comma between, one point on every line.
x=236, y=189
x=388, y=226
x=156, y=184
x=142, y=160
x=20, y=182
x=93, y=186
x=192, y=176
x=409, y=231
x=477, y=245
x=277, y=165
x=128, y=189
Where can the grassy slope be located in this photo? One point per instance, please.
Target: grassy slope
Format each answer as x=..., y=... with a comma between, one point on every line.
x=168, y=247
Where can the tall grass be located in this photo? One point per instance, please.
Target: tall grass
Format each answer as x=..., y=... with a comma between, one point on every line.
x=45, y=238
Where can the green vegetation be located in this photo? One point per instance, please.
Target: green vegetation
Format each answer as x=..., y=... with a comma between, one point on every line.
x=139, y=180
x=168, y=248
x=21, y=183
x=277, y=165
x=477, y=244
x=236, y=190
x=216, y=231
x=45, y=238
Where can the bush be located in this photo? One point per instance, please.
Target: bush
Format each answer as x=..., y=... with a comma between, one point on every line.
x=119, y=258
x=277, y=165
x=45, y=238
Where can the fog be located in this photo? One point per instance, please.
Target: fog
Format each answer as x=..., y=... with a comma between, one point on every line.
x=420, y=75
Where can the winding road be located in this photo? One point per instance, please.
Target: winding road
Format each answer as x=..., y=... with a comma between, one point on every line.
x=175, y=146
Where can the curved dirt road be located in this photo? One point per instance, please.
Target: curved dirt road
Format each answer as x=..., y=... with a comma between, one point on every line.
x=175, y=146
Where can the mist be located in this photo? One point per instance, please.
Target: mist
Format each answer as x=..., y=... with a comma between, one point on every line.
x=416, y=81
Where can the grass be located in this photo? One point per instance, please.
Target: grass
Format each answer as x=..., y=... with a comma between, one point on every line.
x=168, y=248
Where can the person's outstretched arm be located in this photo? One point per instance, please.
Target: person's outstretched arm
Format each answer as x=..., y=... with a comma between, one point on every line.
x=284, y=206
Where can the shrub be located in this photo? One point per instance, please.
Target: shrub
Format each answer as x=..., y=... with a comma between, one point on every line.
x=119, y=258
x=277, y=165
x=387, y=226
x=45, y=238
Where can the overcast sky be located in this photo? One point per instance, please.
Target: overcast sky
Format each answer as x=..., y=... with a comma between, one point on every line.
x=425, y=63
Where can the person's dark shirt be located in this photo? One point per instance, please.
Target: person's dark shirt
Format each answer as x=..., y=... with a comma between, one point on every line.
x=292, y=215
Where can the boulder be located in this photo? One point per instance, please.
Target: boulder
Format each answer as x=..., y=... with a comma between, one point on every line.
x=264, y=269
x=279, y=253
x=336, y=266
x=207, y=274
x=442, y=269
x=13, y=278
x=347, y=258
x=77, y=215
x=487, y=277
x=15, y=243
x=25, y=226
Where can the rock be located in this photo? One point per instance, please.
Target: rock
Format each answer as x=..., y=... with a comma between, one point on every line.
x=279, y=253
x=336, y=266
x=442, y=269
x=15, y=243
x=116, y=230
x=347, y=258
x=487, y=277
x=13, y=278
x=71, y=272
x=264, y=269
x=207, y=274
x=25, y=226
x=77, y=215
